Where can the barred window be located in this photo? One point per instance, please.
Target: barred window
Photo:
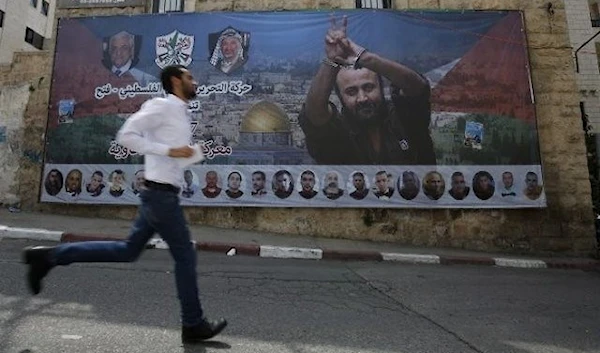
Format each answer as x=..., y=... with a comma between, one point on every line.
x=373, y=4
x=162, y=6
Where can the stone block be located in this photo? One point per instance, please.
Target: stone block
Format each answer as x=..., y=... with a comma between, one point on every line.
x=424, y=4
x=551, y=81
x=214, y=5
x=551, y=58
x=544, y=99
x=400, y=4
x=548, y=40
x=540, y=21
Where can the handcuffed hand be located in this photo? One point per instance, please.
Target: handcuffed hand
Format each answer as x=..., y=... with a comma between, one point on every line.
x=338, y=47
x=334, y=34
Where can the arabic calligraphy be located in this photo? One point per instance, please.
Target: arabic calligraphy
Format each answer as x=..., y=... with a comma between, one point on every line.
x=194, y=106
x=155, y=88
x=236, y=87
x=210, y=151
x=128, y=91
x=120, y=152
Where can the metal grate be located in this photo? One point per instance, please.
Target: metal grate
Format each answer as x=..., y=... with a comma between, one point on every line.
x=162, y=6
x=373, y=4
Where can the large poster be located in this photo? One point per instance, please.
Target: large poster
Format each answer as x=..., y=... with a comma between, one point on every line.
x=355, y=108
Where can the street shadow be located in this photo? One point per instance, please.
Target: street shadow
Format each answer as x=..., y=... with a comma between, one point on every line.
x=201, y=347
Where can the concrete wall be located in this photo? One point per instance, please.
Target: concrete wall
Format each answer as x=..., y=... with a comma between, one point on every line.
x=24, y=93
x=18, y=16
x=566, y=226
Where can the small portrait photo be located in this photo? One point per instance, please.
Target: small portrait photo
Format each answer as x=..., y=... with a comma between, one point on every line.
x=434, y=185
x=191, y=184
x=483, y=185
x=66, y=111
x=409, y=185
x=458, y=186
x=137, y=185
x=308, y=184
x=507, y=189
x=282, y=184
x=359, y=183
x=96, y=184
x=383, y=186
x=234, y=185
x=331, y=185
x=259, y=180
x=117, y=181
x=212, y=188
x=533, y=189
x=73, y=182
x=54, y=182
x=473, y=134
x=229, y=49
x=121, y=55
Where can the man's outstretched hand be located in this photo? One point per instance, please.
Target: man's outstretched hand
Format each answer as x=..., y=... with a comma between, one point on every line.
x=338, y=47
x=334, y=34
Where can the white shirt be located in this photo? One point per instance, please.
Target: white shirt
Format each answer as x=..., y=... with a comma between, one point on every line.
x=160, y=124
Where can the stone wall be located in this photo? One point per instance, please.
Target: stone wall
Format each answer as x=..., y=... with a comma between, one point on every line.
x=24, y=90
x=565, y=227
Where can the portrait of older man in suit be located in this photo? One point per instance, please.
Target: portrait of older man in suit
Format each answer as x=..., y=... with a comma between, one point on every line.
x=121, y=55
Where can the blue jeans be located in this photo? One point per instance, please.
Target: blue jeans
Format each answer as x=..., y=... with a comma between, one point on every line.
x=160, y=212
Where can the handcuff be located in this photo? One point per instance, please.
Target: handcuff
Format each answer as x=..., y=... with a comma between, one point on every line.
x=354, y=63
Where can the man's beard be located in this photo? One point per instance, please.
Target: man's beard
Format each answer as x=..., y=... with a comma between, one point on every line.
x=191, y=94
x=366, y=114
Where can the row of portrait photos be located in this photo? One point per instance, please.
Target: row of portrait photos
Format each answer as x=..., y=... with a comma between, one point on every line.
x=308, y=184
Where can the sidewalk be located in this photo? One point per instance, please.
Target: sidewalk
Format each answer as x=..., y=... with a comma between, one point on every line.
x=43, y=226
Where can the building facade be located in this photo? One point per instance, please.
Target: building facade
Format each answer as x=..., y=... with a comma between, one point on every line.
x=565, y=226
x=25, y=25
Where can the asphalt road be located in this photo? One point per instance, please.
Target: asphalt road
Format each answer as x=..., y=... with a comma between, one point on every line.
x=301, y=306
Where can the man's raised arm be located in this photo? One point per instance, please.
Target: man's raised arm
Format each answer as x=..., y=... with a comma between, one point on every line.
x=411, y=83
x=317, y=105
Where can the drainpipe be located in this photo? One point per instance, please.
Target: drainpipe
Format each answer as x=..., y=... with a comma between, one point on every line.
x=580, y=47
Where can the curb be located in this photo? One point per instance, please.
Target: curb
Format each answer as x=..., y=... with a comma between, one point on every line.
x=29, y=233
x=281, y=252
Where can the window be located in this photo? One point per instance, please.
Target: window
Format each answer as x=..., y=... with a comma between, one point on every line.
x=33, y=3
x=162, y=6
x=1, y=18
x=373, y=4
x=45, y=7
x=34, y=39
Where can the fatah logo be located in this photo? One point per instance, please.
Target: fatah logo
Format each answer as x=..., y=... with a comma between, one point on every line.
x=174, y=48
x=404, y=145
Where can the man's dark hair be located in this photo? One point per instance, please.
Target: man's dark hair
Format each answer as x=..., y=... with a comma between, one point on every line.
x=262, y=174
x=309, y=172
x=166, y=75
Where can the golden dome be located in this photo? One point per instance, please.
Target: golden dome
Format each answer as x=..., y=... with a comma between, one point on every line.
x=265, y=117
